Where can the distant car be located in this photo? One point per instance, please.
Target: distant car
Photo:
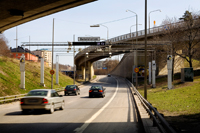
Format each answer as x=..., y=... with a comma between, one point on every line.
x=47, y=99
x=97, y=90
x=109, y=75
x=72, y=89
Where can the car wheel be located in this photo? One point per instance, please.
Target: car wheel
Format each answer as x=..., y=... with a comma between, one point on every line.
x=51, y=109
x=76, y=93
x=79, y=93
x=62, y=106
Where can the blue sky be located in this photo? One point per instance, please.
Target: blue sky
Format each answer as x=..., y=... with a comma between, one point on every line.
x=76, y=21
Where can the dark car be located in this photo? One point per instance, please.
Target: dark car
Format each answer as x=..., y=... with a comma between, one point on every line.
x=109, y=75
x=97, y=90
x=72, y=89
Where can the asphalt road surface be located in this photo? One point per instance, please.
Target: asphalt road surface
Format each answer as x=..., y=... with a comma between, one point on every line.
x=115, y=113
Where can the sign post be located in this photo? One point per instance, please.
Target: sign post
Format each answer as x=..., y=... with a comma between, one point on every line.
x=22, y=70
x=153, y=74
x=169, y=68
x=57, y=70
x=42, y=72
x=149, y=72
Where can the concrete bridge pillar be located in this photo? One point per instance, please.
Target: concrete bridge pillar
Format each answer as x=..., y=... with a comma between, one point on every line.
x=83, y=71
x=90, y=70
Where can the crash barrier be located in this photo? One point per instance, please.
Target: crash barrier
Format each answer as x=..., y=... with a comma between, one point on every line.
x=12, y=98
x=158, y=119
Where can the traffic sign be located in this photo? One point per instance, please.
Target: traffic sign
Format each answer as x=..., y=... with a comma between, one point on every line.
x=52, y=72
x=154, y=22
x=104, y=67
x=89, y=43
x=136, y=69
x=88, y=39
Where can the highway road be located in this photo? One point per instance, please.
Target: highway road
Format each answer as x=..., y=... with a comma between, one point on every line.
x=115, y=113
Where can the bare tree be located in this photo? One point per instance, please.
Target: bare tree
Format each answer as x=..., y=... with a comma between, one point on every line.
x=184, y=35
x=4, y=49
x=190, y=36
x=171, y=32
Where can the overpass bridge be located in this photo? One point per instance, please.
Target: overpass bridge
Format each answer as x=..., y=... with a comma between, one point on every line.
x=124, y=44
x=127, y=44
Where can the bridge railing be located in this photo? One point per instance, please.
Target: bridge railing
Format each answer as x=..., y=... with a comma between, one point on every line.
x=158, y=119
x=133, y=34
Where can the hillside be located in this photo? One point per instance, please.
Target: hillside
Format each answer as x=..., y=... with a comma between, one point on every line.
x=10, y=77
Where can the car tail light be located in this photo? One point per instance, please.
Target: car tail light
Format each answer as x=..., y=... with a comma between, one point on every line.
x=65, y=89
x=100, y=90
x=90, y=90
x=21, y=101
x=44, y=100
x=74, y=89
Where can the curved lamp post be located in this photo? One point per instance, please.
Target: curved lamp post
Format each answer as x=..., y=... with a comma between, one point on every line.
x=136, y=44
x=98, y=25
x=149, y=16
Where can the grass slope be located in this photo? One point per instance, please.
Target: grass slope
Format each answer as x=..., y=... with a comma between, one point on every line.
x=10, y=77
x=180, y=106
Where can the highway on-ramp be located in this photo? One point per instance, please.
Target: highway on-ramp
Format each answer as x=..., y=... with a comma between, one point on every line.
x=115, y=113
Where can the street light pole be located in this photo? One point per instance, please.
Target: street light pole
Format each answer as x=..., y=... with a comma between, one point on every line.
x=29, y=48
x=132, y=26
x=136, y=63
x=149, y=17
x=74, y=61
x=52, y=55
x=98, y=25
x=145, y=74
x=16, y=43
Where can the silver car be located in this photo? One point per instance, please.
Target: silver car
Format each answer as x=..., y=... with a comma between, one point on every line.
x=47, y=99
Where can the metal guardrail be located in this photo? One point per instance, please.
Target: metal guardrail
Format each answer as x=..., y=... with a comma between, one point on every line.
x=158, y=119
x=18, y=97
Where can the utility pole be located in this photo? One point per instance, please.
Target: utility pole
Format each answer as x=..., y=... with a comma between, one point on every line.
x=74, y=61
x=145, y=75
x=16, y=43
x=29, y=48
x=52, y=55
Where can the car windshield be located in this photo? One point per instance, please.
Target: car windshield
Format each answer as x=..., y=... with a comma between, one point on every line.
x=37, y=93
x=96, y=87
x=70, y=87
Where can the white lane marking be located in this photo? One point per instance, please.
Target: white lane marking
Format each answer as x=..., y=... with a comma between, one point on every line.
x=86, y=123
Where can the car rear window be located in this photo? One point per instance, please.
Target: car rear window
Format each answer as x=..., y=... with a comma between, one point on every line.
x=70, y=87
x=96, y=87
x=37, y=93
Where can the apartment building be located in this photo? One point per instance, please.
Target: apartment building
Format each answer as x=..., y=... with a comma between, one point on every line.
x=47, y=55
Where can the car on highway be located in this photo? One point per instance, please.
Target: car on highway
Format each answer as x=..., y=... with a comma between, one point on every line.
x=97, y=90
x=47, y=99
x=72, y=89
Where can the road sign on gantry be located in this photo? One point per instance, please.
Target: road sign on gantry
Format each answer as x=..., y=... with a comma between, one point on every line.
x=89, y=43
x=82, y=39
